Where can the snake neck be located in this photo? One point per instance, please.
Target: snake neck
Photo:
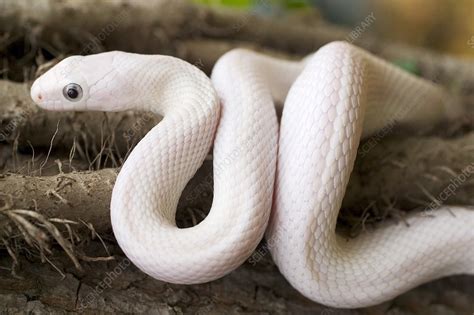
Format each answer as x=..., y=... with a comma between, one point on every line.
x=150, y=183
x=162, y=84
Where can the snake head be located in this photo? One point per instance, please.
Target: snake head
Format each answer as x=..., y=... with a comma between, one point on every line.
x=80, y=83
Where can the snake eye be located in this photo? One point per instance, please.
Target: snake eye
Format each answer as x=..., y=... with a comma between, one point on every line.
x=72, y=92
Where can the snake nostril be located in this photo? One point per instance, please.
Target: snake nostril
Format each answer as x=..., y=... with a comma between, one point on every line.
x=40, y=97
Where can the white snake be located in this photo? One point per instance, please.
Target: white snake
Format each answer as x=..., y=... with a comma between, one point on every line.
x=336, y=95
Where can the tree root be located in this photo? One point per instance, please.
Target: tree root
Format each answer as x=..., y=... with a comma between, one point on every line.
x=403, y=174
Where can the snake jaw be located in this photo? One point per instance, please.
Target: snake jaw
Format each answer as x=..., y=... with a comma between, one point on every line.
x=35, y=93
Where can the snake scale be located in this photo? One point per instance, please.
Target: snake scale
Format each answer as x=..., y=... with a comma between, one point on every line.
x=286, y=181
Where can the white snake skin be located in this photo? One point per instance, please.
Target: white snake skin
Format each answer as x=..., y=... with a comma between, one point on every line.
x=336, y=95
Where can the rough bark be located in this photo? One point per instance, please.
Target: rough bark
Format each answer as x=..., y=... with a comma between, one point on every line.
x=117, y=287
x=162, y=26
x=395, y=174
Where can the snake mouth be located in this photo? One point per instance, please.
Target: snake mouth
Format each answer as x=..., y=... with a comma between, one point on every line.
x=35, y=93
x=38, y=96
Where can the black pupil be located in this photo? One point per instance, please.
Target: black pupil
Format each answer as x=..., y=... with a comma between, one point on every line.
x=72, y=93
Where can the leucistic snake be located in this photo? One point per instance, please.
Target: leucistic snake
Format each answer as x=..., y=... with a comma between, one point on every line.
x=298, y=171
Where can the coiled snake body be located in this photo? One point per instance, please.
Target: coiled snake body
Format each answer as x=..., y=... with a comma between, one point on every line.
x=301, y=170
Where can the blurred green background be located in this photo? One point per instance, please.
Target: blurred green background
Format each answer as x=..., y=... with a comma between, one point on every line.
x=443, y=25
